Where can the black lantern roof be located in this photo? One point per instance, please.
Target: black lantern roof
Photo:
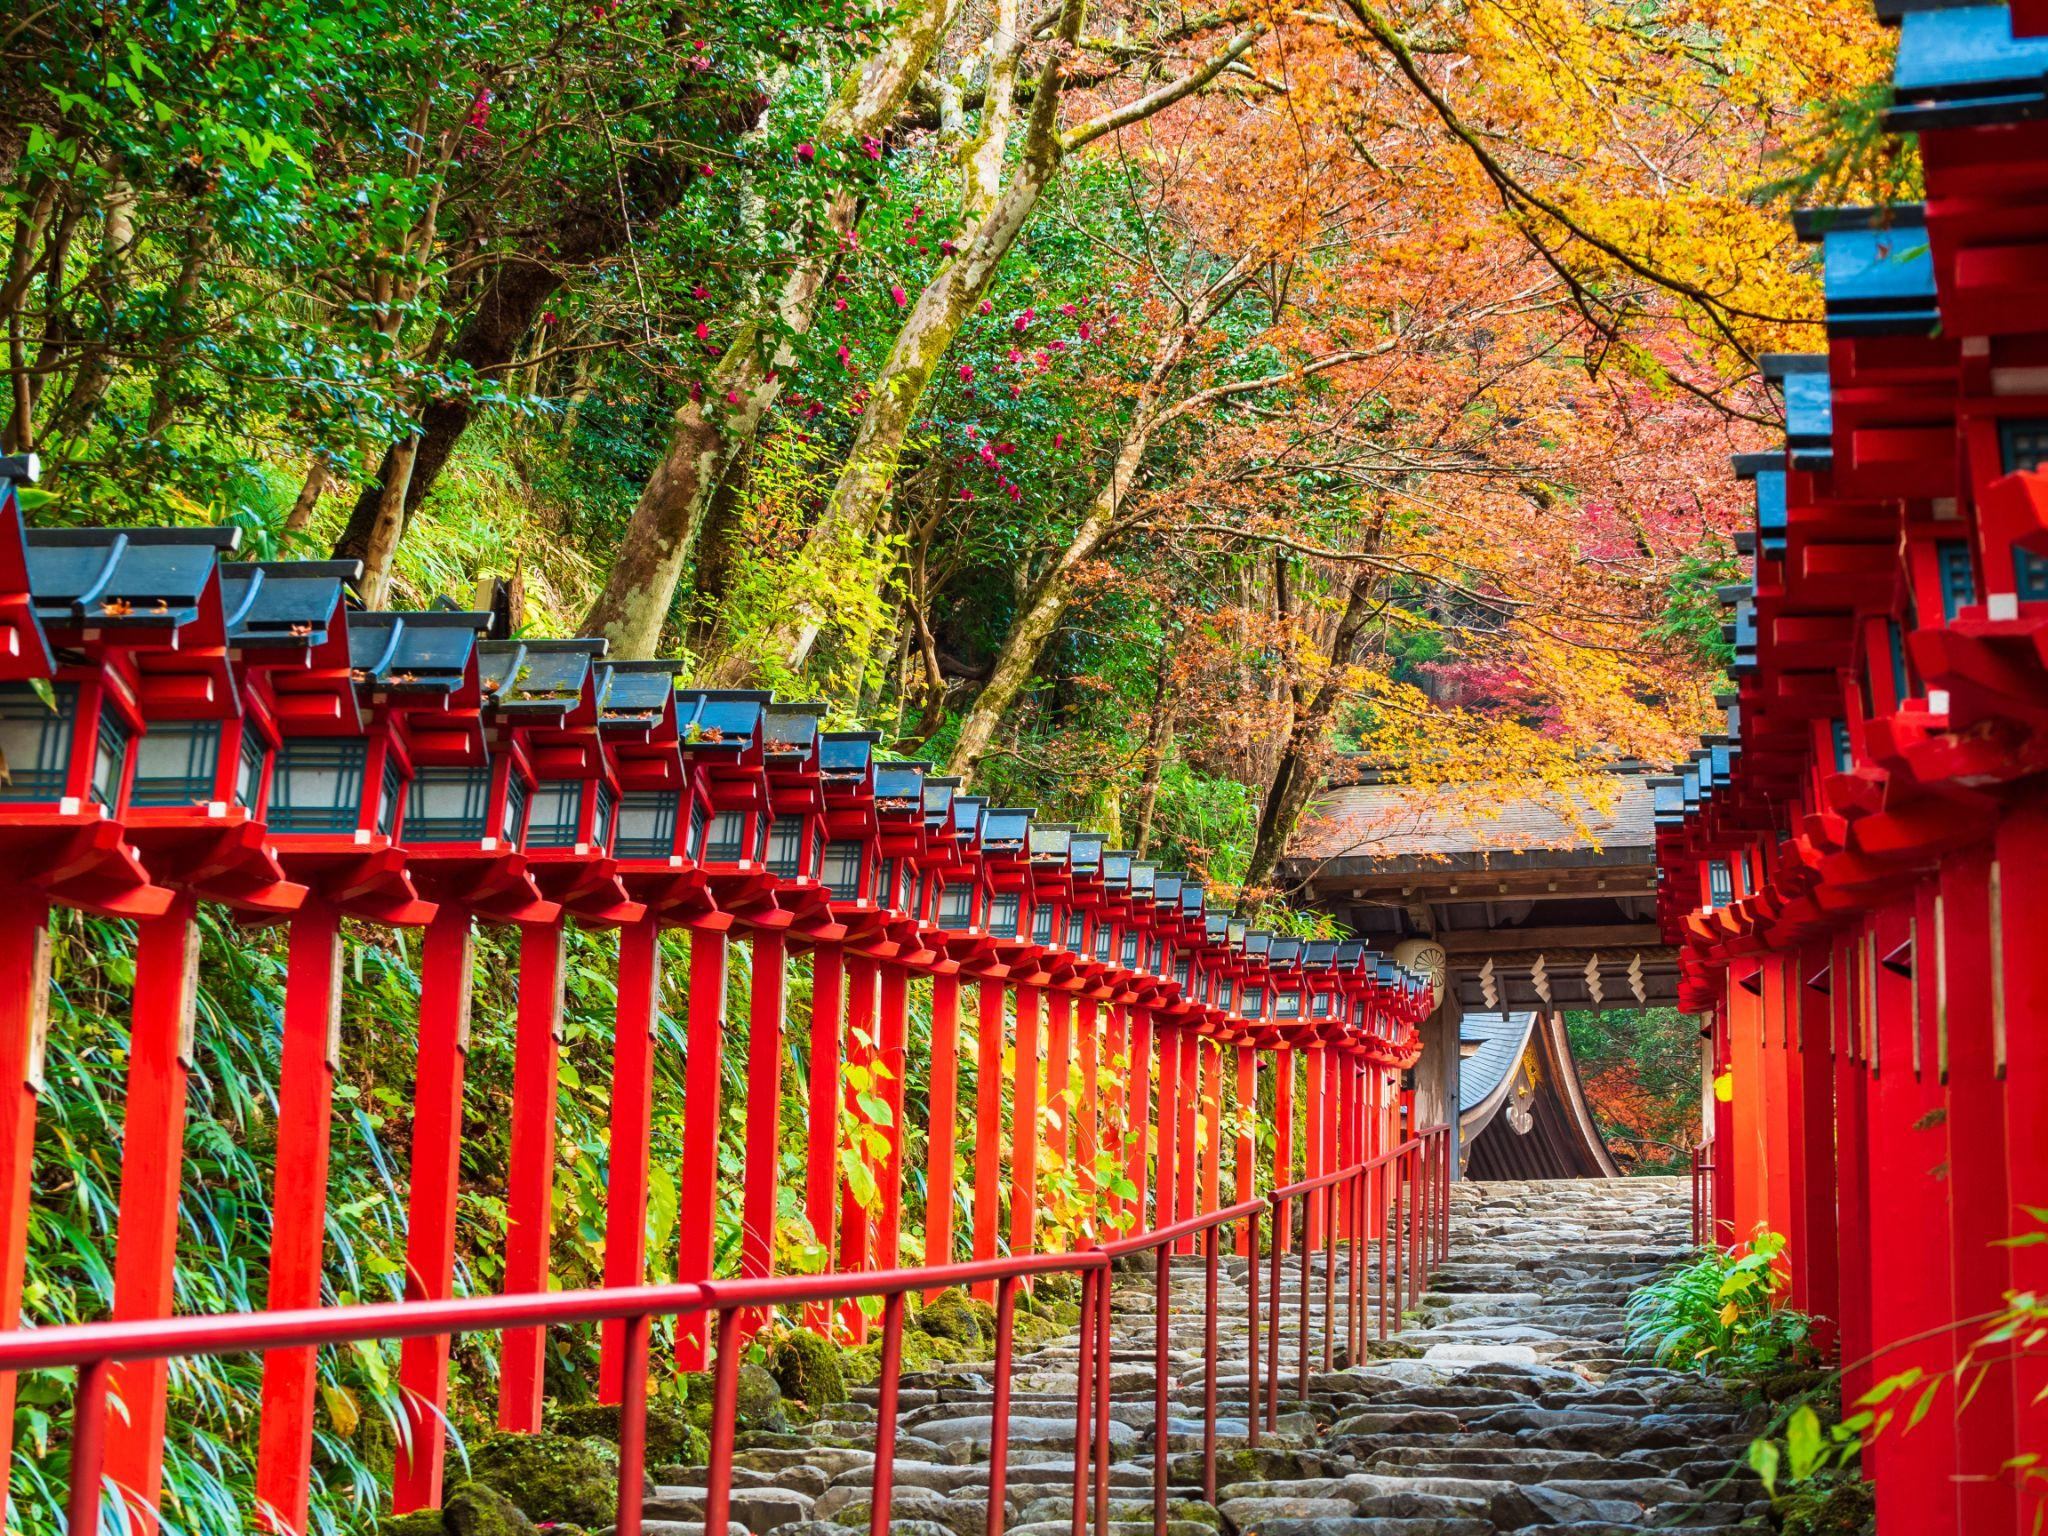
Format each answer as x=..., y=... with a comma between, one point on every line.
x=968, y=811
x=1234, y=931
x=899, y=787
x=720, y=719
x=1116, y=868
x=845, y=757
x=1191, y=898
x=405, y=652
x=1005, y=828
x=1143, y=877
x=789, y=731
x=1878, y=269
x=536, y=679
x=284, y=602
x=1166, y=888
x=1767, y=470
x=1386, y=971
x=1258, y=942
x=124, y=578
x=1215, y=926
x=1959, y=67
x=1320, y=953
x=1284, y=951
x=634, y=694
x=1809, y=406
x=939, y=790
x=1350, y=953
x=1667, y=801
x=1084, y=852
x=1051, y=843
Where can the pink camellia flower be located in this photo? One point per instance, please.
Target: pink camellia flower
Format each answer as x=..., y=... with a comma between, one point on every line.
x=987, y=308
x=1025, y=319
x=872, y=148
x=1006, y=448
x=807, y=151
x=896, y=293
x=966, y=372
x=965, y=494
x=1016, y=391
x=1057, y=345
x=732, y=397
x=972, y=431
x=839, y=304
x=1067, y=310
x=946, y=247
x=1016, y=492
x=988, y=456
x=703, y=330
x=699, y=291
x=844, y=354
x=1013, y=354
x=547, y=317
x=704, y=170
x=696, y=392
x=1059, y=439
x=1084, y=330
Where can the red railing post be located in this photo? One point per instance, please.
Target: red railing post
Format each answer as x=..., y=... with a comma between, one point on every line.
x=943, y=1096
x=988, y=1123
x=530, y=1183
x=1084, y=1392
x=1024, y=1127
x=895, y=1063
x=633, y=1425
x=87, y=1496
x=1137, y=1108
x=999, y=1407
x=1329, y=1202
x=430, y=1212
x=1102, y=1343
x=821, y=1165
x=298, y=1226
x=760, y=1194
x=24, y=1030
x=1273, y=1314
x=883, y=1492
x=703, y=1076
x=152, y=1167
x=1307, y=1249
x=1162, y=1313
x=632, y=1116
x=1283, y=1136
x=1251, y=1289
x=725, y=1393
x=1211, y=1246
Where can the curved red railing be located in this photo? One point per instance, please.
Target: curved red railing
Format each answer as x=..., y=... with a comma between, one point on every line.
x=1392, y=1208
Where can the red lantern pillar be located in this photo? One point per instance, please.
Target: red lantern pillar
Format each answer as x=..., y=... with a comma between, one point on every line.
x=821, y=1168
x=1185, y=1171
x=152, y=1167
x=2021, y=875
x=632, y=1123
x=1024, y=1127
x=1314, y=1128
x=24, y=1027
x=1852, y=1193
x=1212, y=1108
x=988, y=1123
x=861, y=1052
x=430, y=1212
x=1087, y=1030
x=697, y=1189
x=1247, y=1139
x=945, y=1108
x=1059, y=1052
x=1137, y=1104
x=767, y=988
x=1283, y=1131
x=530, y=1198
x=1166, y=1132
x=895, y=1062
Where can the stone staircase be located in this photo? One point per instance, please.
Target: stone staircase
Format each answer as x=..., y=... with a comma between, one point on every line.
x=1506, y=1405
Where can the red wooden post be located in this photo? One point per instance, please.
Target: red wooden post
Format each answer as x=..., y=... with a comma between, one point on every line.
x=1024, y=1127
x=1059, y=1052
x=988, y=1123
x=1087, y=1032
x=298, y=1223
x=1137, y=1107
x=1283, y=1137
x=1314, y=1127
x=1212, y=1108
x=1247, y=1144
x=530, y=1197
x=1164, y=1184
x=625, y=1213
x=2021, y=876
x=1816, y=1115
x=1980, y=1211
x=821, y=1168
x=944, y=1097
x=697, y=1189
x=764, y=1107
x=24, y=1026
x=895, y=1062
x=861, y=1052
x=1185, y=1152
x=430, y=1210
x=152, y=1167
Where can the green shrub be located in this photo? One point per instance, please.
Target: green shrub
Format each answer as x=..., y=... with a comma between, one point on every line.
x=1716, y=1313
x=806, y=1368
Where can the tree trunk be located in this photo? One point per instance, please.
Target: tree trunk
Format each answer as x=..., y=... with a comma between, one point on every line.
x=388, y=528
x=709, y=435
x=1294, y=777
x=310, y=491
x=1158, y=742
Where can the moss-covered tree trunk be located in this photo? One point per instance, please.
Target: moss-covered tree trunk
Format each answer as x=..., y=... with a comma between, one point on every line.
x=708, y=435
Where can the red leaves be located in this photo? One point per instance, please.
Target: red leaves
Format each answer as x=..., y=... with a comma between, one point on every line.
x=896, y=293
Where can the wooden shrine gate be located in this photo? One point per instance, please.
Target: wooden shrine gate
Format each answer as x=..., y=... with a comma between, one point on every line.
x=180, y=728
x=1857, y=868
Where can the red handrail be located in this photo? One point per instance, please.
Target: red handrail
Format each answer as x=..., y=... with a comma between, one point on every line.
x=93, y=1348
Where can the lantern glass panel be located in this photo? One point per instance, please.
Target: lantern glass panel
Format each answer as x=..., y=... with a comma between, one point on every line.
x=1319, y=1004
x=728, y=841
x=514, y=822
x=1002, y=915
x=647, y=823
x=1182, y=969
x=1287, y=1005
x=1158, y=957
x=1254, y=1002
x=700, y=821
x=2023, y=444
x=956, y=906
x=841, y=872
x=393, y=796
x=317, y=785
x=1105, y=936
x=1076, y=931
x=448, y=805
x=1720, y=883
x=176, y=763
x=601, y=822
x=786, y=847
x=35, y=742
x=1041, y=923
x=250, y=763
x=888, y=884
x=1845, y=758
x=556, y=815
x=1130, y=949
x=1958, y=576
x=109, y=758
